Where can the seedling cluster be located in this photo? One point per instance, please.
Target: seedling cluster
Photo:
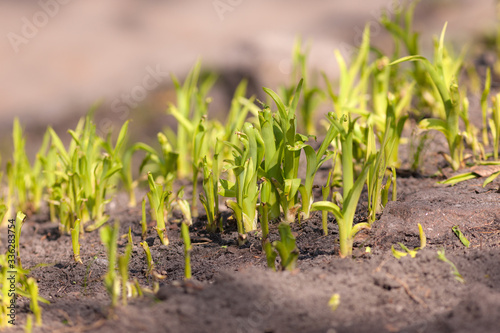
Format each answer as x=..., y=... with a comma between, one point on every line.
x=254, y=158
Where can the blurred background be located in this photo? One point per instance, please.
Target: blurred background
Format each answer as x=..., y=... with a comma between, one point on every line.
x=58, y=57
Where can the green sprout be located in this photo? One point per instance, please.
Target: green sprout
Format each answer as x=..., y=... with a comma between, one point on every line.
x=474, y=174
x=460, y=236
x=351, y=190
x=75, y=240
x=245, y=165
x=314, y=161
x=282, y=154
x=334, y=302
x=456, y=273
x=191, y=107
x=378, y=194
x=325, y=191
x=162, y=164
x=109, y=237
x=450, y=97
x=312, y=94
x=26, y=182
x=149, y=258
x=157, y=197
x=210, y=197
x=285, y=247
x=32, y=287
x=20, y=218
x=144, y=224
x=484, y=106
x=187, y=249
x=86, y=173
x=423, y=242
x=494, y=123
x=123, y=262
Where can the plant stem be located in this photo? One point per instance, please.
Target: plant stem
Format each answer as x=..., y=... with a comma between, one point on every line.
x=187, y=250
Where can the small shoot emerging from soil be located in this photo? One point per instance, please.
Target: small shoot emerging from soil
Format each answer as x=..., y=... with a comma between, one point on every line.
x=423, y=242
x=32, y=288
x=456, y=273
x=334, y=302
x=245, y=165
x=314, y=161
x=144, y=223
x=149, y=258
x=210, y=196
x=109, y=237
x=26, y=182
x=325, y=191
x=351, y=190
x=450, y=98
x=187, y=249
x=123, y=261
x=378, y=194
x=157, y=197
x=186, y=222
x=283, y=146
x=20, y=218
x=494, y=123
x=460, y=236
x=285, y=247
x=75, y=241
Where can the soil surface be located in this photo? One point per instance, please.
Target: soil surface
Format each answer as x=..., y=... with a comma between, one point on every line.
x=232, y=289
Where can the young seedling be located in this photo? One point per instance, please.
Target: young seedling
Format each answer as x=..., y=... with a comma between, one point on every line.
x=149, y=258
x=484, y=106
x=86, y=173
x=109, y=237
x=157, y=197
x=210, y=197
x=351, y=190
x=144, y=224
x=245, y=165
x=494, y=123
x=191, y=107
x=26, y=182
x=456, y=273
x=423, y=242
x=491, y=171
x=285, y=247
x=32, y=289
x=20, y=218
x=460, y=236
x=312, y=94
x=282, y=154
x=123, y=261
x=314, y=161
x=187, y=249
x=186, y=222
x=325, y=191
x=377, y=193
x=450, y=99
x=162, y=164
x=75, y=241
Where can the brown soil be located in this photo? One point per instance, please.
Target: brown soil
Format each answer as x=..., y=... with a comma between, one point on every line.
x=233, y=291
